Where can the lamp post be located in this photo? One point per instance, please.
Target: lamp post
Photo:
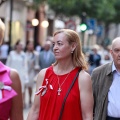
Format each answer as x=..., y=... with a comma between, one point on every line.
x=35, y=22
x=10, y=28
x=83, y=28
x=44, y=23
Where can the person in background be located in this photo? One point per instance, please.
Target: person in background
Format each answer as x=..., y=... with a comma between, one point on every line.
x=106, y=86
x=38, y=48
x=106, y=59
x=46, y=56
x=10, y=90
x=94, y=59
x=33, y=67
x=17, y=60
x=4, y=52
x=53, y=82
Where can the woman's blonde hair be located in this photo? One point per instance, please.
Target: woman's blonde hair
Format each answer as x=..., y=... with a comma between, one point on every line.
x=2, y=30
x=77, y=56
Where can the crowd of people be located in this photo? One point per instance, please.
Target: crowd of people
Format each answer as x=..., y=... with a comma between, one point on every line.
x=70, y=85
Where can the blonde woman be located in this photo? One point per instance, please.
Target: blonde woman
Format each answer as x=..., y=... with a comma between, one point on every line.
x=54, y=82
x=17, y=60
x=33, y=67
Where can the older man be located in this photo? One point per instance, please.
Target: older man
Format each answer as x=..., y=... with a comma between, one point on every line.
x=106, y=87
x=47, y=57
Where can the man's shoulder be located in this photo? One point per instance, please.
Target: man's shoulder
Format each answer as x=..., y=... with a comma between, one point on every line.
x=12, y=52
x=103, y=68
x=42, y=53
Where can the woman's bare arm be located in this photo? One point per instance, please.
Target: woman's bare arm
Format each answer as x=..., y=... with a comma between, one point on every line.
x=17, y=104
x=86, y=95
x=34, y=111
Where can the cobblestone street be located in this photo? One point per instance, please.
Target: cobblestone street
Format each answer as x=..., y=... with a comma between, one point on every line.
x=27, y=107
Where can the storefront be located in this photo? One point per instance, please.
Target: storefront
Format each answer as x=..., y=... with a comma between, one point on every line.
x=18, y=22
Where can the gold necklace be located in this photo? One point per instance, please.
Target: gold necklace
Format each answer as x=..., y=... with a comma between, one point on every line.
x=60, y=85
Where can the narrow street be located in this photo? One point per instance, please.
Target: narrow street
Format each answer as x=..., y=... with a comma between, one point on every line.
x=27, y=107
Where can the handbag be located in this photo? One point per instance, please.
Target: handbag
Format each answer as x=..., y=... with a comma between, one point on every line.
x=63, y=104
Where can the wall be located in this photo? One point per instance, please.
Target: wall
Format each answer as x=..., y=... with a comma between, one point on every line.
x=18, y=20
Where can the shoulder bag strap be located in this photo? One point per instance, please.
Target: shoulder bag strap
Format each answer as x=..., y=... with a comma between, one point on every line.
x=63, y=104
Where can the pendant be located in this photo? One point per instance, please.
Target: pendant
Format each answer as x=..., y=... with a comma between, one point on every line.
x=59, y=90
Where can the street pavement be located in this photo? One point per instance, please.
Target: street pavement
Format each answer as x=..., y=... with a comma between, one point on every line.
x=27, y=107
x=25, y=112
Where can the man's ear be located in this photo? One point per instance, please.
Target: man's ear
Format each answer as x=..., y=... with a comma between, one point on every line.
x=111, y=52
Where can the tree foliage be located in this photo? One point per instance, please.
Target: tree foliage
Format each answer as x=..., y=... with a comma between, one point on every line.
x=116, y=18
x=37, y=3
x=69, y=7
x=103, y=10
x=106, y=11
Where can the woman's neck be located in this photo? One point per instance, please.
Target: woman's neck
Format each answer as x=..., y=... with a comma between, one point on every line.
x=64, y=67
